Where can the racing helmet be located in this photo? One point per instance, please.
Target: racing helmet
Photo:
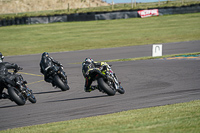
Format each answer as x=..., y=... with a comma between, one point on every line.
x=90, y=60
x=45, y=54
x=1, y=57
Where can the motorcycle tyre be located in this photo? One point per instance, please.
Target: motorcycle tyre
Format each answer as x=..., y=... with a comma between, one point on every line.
x=102, y=84
x=32, y=98
x=59, y=83
x=121, y=90
x=19, y=100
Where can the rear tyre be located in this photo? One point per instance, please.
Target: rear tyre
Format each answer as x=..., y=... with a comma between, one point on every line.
x=16, y=96
x=59, y=83
x=105, y=87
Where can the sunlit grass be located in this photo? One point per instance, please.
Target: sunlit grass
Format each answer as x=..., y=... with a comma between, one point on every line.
x=70, y=36
x=175, y=118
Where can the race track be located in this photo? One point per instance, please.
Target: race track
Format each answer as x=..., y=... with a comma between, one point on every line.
x=147, y=83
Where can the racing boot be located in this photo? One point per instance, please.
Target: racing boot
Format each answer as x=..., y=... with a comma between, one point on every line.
x=92, y=88
x=4, y=96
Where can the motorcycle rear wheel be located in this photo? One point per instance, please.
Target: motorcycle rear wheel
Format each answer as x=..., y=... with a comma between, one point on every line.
x=105, y=87
x=59, y=83
x=16, y=96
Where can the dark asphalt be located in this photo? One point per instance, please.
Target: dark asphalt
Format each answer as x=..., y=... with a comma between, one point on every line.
x=147, y=83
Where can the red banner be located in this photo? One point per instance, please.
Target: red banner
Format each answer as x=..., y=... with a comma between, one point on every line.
x=148, y=13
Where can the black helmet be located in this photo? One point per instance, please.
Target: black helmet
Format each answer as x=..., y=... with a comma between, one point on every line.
x=90, y=60
x=45, y=54
x=1, y=57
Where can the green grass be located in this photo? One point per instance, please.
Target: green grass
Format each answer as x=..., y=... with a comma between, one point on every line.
x=70, y=36
x=175, y=118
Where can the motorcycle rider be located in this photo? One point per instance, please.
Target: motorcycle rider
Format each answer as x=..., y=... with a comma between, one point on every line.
x=88, y=66
x=45, y=64
x=5, y=76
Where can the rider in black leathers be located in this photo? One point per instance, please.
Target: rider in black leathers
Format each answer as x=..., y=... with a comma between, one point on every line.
x=87, y=67
x=5, y=76
x=46, y=63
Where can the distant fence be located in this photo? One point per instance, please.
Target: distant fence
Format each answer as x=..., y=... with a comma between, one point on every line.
x=97, y=16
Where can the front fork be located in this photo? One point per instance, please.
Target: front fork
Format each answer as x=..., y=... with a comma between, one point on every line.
x=62, y=73
x=115, y=81
x=26, y=90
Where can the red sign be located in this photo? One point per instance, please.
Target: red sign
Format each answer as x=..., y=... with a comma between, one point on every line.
x=148, y=13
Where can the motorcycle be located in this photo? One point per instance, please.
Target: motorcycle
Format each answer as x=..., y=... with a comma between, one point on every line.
x=19, y=92
x=107, y=80
x=59, y=78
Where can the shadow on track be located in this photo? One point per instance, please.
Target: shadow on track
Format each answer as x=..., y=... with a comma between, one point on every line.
x=10, y=106
x=46, y=92
x=78, y=98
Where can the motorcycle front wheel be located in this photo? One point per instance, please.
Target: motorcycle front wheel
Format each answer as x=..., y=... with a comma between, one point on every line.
x=32, y=98
x=121, y=90
x=105, y=87
x=16, y=96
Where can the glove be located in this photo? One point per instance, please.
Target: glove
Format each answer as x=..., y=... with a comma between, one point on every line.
x=17, y=69
x=104, y=67
x=20, y=68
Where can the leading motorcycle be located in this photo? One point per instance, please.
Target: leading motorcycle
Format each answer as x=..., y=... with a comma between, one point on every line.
x=107, y=80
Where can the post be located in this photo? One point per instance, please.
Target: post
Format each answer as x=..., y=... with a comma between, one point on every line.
x=135, y=3
x=112, y=4
x=159, y=2
x=68, y=7
x=132, y=3
x=16, y=6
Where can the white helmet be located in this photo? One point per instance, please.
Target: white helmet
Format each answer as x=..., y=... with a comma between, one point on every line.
x=1, y=57
x=90, y=60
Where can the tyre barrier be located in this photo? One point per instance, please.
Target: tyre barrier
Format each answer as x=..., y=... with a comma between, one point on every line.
x=91, y=16
x=15, y=21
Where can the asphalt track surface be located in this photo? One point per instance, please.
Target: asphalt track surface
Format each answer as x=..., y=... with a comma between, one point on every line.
x=147, y=83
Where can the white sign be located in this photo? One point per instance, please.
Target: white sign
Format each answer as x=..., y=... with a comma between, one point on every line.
x=157, y=50
x=148, y=13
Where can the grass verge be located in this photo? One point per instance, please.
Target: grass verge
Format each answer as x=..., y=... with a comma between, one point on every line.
x=150, y=57
x=175, y=118
x=147, y=58
x=71, y=36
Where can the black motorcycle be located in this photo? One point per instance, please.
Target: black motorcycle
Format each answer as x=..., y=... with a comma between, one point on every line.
x=59, y=78
x=19, y=92
x=107, y=80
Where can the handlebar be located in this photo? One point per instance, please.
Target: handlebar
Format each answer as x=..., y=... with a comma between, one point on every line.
x=20, y=68
x=16, y=70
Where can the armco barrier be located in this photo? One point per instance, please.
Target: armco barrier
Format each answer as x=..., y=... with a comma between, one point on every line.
x=97, y=16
